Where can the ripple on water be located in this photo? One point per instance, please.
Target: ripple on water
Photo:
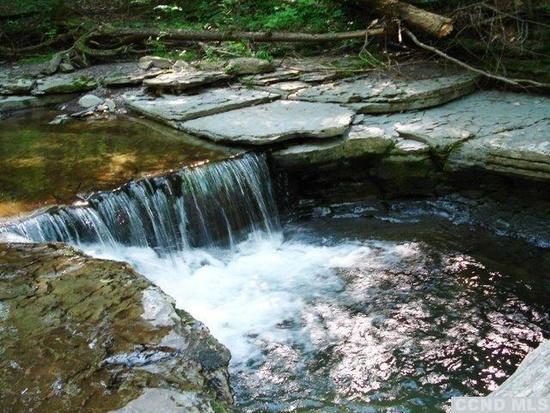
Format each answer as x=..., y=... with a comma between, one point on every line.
x=366, y=325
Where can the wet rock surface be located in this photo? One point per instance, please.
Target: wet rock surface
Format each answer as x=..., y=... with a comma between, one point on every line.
x=86, y=334
x=273, y=122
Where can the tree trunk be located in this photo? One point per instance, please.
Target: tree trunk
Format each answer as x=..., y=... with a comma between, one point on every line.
x=414, y=17
x=212, y=36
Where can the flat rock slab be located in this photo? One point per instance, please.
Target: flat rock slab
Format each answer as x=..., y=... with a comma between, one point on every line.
x=129, y=79
x=273, y=122
x=16, y=86
x=185, y=80
x=64, y=84
x=510, y=134
x=378, y=95
x=173, y=109
x=502, y=132
x=27, y=102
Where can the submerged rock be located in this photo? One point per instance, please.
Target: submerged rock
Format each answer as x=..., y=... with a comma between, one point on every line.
x=173, y=109
x=248, y=66
x=64, y=84
x=82, y=334
x=273, y=122
x=184, y=80
x=382, y=95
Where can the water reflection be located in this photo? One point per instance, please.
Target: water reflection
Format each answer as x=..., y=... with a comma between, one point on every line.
x=46, y=164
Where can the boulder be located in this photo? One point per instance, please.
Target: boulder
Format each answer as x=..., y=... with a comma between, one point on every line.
x=248, y=66
x=64, y=84
x=82, y=334
x=89, y=101
x=371, y=94
x=273, y=122
x=146, y=62
x=184, y=80
x=174, y=109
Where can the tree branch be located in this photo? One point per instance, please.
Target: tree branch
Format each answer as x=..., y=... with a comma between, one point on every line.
x=510, y=81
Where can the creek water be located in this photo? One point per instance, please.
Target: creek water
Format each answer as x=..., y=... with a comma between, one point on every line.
x=329, y=314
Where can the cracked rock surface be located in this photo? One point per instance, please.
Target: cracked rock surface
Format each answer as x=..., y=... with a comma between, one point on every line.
x=82, y=334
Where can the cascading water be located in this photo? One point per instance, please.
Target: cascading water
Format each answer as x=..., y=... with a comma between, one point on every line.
x=355, y=314
x=204, y=206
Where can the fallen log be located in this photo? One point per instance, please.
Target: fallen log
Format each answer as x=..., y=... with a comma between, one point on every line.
x=423, y=20
x=218, y=36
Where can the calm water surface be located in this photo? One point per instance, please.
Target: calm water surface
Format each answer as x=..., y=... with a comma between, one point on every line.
x=46, y=164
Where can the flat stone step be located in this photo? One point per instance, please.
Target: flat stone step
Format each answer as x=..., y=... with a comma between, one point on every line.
x=185, y=80
x=371, y=94
x=173, y=109
x=273, y=122
x=501, y=132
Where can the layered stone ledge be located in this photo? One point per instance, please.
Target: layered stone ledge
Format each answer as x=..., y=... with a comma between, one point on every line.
x=85, y=334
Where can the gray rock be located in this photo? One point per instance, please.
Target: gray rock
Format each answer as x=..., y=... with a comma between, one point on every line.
x=361, y=141
x=248, y=66
x=147, y=62
x=173, y=109
x=285, y=88
x=273, y=122
x=128, y=79
x=381, y=95
x=89, y=101
x=64, y=84
x=16, y=86
x=168, y=401
x=27, y=102
x=278, y=75
x=509, y=134
x=532, y=377
x=184, y=80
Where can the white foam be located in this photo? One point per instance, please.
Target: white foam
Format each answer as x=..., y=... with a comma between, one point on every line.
x=243, y=295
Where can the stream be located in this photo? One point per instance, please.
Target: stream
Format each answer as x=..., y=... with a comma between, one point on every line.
x=328, y=314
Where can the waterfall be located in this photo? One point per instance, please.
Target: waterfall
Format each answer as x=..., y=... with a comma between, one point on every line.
x=209, y=205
